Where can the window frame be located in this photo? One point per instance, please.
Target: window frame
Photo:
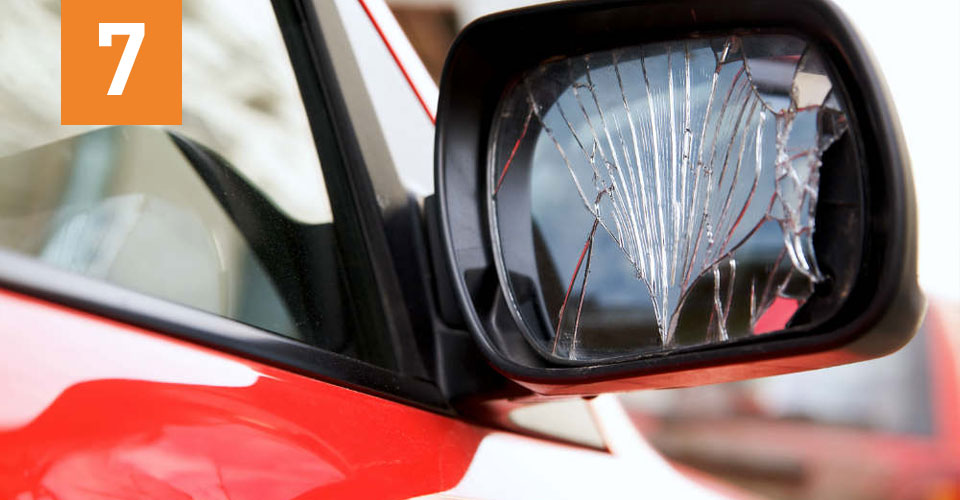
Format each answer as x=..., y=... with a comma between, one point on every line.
x=358, y=221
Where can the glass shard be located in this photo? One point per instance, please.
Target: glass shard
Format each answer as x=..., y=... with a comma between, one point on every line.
x=692, y=168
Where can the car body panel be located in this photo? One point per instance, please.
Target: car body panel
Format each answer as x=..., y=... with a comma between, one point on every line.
x=93, y=408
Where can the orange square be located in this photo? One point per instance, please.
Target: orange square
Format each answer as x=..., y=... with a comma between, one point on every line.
x=105, y=79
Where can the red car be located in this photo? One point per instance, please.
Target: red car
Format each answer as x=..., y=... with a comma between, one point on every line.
x=333, y=282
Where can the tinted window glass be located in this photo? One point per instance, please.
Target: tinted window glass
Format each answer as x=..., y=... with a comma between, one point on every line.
x=124, y=205
x=240, y=97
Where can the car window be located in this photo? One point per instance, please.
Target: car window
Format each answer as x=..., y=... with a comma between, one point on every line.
x=240, y=97
x=227, y=213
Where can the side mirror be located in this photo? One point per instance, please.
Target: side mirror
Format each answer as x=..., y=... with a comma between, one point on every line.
x=659, y=194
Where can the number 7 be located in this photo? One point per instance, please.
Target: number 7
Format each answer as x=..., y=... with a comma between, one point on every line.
x=130, y=51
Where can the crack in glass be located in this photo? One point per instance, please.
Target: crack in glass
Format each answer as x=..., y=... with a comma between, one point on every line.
x=680, y=152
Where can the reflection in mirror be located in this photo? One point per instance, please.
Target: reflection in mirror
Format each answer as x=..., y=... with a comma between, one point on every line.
x=668, y=193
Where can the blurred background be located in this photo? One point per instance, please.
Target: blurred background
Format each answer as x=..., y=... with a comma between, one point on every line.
x=885, y=429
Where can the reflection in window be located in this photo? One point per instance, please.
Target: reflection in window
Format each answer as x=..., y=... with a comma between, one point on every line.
x=253, y=116
x=126, y=206
x=123, y=205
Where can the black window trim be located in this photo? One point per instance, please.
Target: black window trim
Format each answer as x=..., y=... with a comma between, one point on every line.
x=426, y=347
x=357, y=219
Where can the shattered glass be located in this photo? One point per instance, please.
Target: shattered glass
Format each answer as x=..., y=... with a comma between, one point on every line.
x=671, y=189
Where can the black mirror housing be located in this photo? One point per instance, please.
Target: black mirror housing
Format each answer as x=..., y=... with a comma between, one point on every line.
x=870, y=307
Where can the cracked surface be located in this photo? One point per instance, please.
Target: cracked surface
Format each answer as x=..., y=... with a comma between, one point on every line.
x=693, y=167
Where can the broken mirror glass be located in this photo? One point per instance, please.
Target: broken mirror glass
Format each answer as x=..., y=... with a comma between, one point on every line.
x=662, y=196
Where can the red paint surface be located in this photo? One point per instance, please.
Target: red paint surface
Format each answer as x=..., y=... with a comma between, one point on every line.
x=776, y=317
x=513, y=152
x=943, y=320
x=91, y=408
x=397, y=60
